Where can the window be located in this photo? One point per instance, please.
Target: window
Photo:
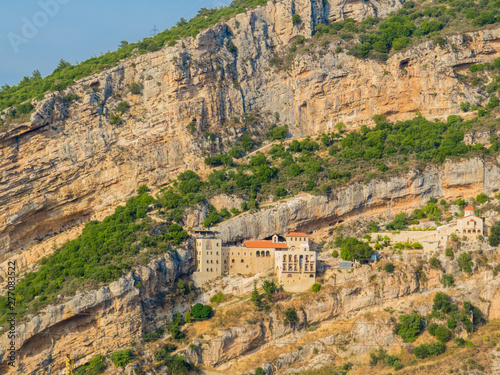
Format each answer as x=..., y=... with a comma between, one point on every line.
x=232, y=262
x=242, y=261
x=247, y=265
x=216, y=244
x=217, y=253
x=211, y=269
x=207, y=260
x=225, y=261
x=207, y=269
x=217, y=261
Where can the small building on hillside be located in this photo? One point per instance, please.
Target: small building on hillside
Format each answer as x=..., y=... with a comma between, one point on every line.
x=293, y=263
x=469, y=224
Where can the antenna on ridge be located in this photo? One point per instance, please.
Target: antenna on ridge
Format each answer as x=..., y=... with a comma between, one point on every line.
x=154, y=31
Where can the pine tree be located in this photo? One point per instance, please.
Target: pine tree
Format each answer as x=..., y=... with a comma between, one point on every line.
x=256, y=297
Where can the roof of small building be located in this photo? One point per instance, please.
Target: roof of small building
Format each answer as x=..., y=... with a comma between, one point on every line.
x=469, y=208
x=297, y=234
x=265, y=244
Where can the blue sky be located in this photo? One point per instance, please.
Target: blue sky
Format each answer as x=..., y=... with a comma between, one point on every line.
x=36, y=34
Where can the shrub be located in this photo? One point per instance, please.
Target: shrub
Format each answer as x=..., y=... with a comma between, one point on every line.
x=296, y=19
x=435, y=263
x=201, y=312
x=136, y=88
x=389, y=267
x=409, y=327
x=316, y=287
x=353, y=249
x=442, y=302
x=236, y=152
x=494, y=239
x=451, y=323
x=218, y=298
x=121, y=358
x=280, y=192
x=335, y=253
x=464, y=263
x=95, y=366
x=116, y=120
x=482, y=198
x=442, y=333
x=428, y=350
x=447, y=280
x=188, y=318
x=122, y=107
x=291, y=317
x=432, y=328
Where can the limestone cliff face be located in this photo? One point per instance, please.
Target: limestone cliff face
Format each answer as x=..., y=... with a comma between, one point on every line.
x=305, y=212
x=98, y=321
x=69, y=164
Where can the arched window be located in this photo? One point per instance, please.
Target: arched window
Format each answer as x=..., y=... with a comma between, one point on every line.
x=268, y=254
x=242, y=261
x=258, y=254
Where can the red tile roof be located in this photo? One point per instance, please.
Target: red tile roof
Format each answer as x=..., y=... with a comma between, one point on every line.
x=297, y=234
x=469, y=208
x=265, y=244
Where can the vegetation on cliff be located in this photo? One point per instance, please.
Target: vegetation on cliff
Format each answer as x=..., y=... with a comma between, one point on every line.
x=100, y=255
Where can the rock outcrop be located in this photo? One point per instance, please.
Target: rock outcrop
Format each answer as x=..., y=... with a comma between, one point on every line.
x=103, y=321
x=69, y=164
x=306, y=213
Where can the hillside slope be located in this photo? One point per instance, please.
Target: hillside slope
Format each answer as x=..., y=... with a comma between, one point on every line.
x=69, y=164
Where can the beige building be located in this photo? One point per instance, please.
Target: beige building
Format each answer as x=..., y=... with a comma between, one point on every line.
x=290, y=258
x=469, y=224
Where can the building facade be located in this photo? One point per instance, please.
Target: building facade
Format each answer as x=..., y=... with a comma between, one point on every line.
x=291, y=260
x=469, y=224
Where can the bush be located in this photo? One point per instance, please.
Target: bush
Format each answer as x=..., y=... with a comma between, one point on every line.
x=494, y=239
x=389, y=267
x=432, y=328
x=435, y=263
x=218, y=298
x=316, y=288
x=136, y=88
x=451, y=323
x=482, y=198
x=428, y=350
x=465, y=264
x=409, y=327
x=291, y=317
x=201, y=312
x=95, y=366
x=121, y=358
x=353, y=249
x=280, y=192
x=442, y=302
x=296, y=19
x=442, y=333
x=116, y=120
x=122, y=107
x=447, y=280
x=335, y=253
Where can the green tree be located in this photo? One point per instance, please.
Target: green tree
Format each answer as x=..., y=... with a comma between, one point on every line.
x=410, y=326
x=465, y=263
x=316, y=287
x=269, y=288
x=443, y=334
x=201, y=312
x=389, y=267
x=255, y=297
x=494, y=239
x=121, y=358
x=296, y=19
x=291, y=317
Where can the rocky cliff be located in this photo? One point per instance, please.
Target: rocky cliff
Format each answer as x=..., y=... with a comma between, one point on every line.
x=69, y=164
x=104, y=320
x=307, y=213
